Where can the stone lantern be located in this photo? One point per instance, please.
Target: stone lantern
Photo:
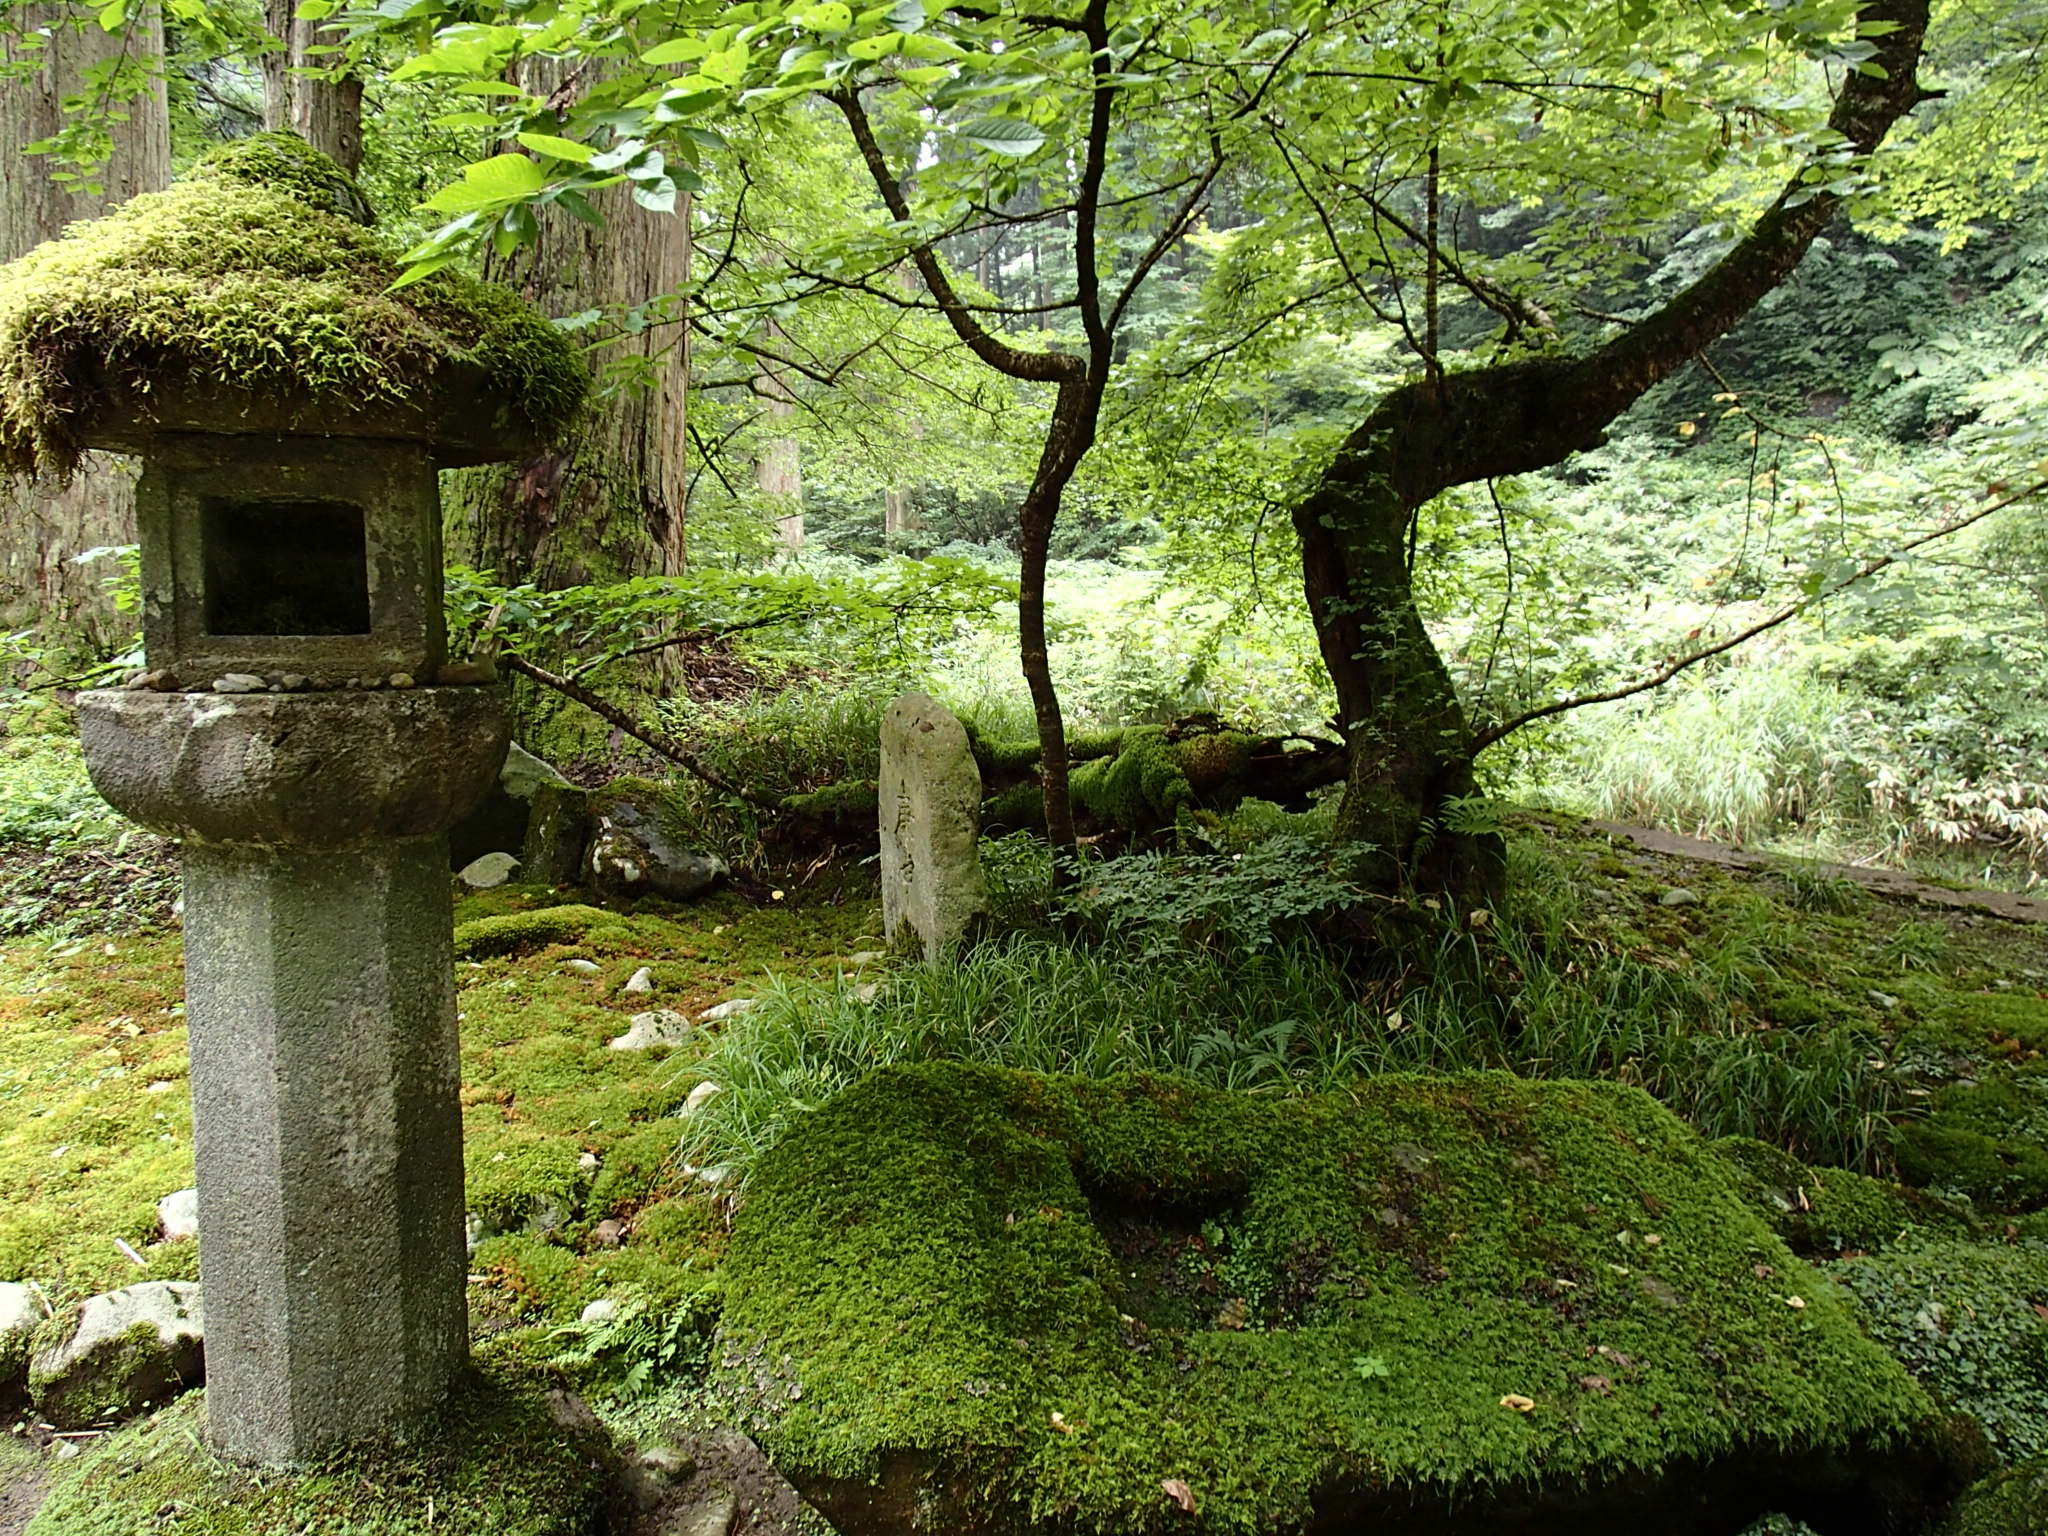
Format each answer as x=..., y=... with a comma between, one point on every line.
x=300, y=731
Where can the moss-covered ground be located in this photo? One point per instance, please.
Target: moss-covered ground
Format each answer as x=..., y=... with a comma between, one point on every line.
x=1826, y=1025
x=498, y=1463
x=95, y=1116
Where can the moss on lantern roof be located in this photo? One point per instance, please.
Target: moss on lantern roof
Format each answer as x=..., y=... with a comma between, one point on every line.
x=256, y=270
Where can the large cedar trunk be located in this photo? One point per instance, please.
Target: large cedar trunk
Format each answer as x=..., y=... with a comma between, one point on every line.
x=1407, y=800
x=327, y=114
x=606, y=503
x=44, y=527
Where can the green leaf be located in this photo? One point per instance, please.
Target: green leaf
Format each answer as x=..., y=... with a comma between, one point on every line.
x=500, y=179
x=420, y=269
x=727, y=67
x=869, y=49
x=657, y=196
x=112, y=15
x=557, y=148
x=1003, y=135
x=827, y=16
x=677, y=50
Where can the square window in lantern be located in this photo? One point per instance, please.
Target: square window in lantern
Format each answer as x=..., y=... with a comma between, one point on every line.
x=286, y=568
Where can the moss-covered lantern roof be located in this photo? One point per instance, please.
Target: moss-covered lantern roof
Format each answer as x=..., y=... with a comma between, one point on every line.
x=252, y=296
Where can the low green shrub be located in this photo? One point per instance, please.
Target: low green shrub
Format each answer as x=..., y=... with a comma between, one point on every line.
x=1971, y=1321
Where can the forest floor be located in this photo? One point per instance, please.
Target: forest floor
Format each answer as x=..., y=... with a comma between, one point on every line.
x=1945, y=993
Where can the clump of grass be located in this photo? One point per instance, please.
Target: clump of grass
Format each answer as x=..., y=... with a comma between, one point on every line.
x=1534, y=993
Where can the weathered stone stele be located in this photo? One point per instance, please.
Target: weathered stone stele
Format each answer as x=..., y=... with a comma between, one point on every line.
x=930, y=808
x=971, y=1301
x=240, y=334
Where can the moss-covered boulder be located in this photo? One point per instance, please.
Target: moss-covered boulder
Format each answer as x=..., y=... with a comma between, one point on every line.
x=2013, y=1503
x=641, y=845
x=1823, y=1212
x=1986, y=1139
x=117, y=1353
x=254, y=285
x=502, y=1457
x=963, y=1299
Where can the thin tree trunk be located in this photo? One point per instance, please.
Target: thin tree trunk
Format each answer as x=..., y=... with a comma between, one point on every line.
x=779, y=465
x=43, y=528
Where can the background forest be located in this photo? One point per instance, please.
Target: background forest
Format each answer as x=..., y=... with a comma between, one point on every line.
x=828, y=479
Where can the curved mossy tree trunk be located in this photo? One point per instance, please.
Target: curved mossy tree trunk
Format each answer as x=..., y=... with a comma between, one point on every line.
x=1409, y=743
x=43, y=527
x=608, y=503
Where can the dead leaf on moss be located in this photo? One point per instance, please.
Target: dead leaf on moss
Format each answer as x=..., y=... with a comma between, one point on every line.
x=1180, y=1493
x=1519, y=1403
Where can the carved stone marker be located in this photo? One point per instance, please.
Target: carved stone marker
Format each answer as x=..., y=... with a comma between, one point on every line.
x=930, y=803
x=291, y=735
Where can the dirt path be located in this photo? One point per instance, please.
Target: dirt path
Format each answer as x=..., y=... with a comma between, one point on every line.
x=1884, y=882
x=21, y=1495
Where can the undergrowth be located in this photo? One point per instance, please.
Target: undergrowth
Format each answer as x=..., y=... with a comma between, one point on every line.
x=1721, y=1019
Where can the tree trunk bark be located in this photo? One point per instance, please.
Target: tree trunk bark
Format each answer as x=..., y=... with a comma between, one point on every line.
x=1406, y=734
x=327, y=114
x=42, y=528
x=779, y=465
x=608, y=503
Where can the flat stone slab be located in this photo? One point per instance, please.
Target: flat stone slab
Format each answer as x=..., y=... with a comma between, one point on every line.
x=968, y=1300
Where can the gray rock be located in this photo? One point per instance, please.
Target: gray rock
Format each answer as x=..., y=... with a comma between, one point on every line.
x=701, y=1095
x=866, y=957
x=505, y=819
x=488, y=870
x=127, y=1349
x=1679, y=896
x=718, y=1013
x=930, y=811
x=239, y=682
x=557, y=834
x=658, y=1026
x=401, y=680
x=602, y=1310
x=641, y=980
x=19, y=1318
x=583, y=967
x=177, y=1215
x=609, y=1233
x=636, y=850
x=866, y=992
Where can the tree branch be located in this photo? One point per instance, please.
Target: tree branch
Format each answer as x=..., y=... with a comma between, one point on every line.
x=1017, y=362
x=609, y=712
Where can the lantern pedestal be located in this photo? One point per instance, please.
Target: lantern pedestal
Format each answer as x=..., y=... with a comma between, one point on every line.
x=320, y=1004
